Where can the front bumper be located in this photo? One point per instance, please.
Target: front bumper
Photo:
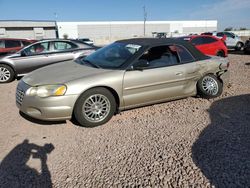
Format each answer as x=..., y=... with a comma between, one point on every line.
x=49, y=108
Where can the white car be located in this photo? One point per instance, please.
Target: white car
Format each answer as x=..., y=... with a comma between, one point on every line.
x=232, y=41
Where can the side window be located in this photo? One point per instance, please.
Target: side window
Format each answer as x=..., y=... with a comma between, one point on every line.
x=160, y=56
x=37, y=48
x=220, y=34
x=208, y=40
x=229, y=35
x=184, y=54
x=59, y=46
x=12, y=44
x=26, y=43
x=197, y=41
x=2, y=44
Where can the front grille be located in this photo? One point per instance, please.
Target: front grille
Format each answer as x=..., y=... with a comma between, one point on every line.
x=19, y=95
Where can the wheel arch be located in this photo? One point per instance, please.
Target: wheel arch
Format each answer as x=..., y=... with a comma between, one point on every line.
x=11, y=66
x=113, y=92
x=221, y=50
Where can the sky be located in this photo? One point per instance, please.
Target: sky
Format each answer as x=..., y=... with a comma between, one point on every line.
x=229, y=13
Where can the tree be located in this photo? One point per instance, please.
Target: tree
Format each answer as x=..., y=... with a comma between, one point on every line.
x=65, y=36
x=228, y=29
x=243, y=28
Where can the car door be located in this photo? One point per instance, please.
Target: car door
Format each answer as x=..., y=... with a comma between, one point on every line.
x=62, y=51
x=230, y=40
x=32, y=57
x=164, y=78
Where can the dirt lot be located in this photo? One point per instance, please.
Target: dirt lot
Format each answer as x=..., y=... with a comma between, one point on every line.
x=186, y=143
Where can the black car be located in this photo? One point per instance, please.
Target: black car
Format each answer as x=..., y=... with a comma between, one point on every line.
x=247, y=47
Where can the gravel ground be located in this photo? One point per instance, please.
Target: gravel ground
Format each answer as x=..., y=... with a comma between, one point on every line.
x=191, y=142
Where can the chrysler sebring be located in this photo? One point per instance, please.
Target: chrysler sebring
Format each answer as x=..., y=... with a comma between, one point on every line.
x=123, y=75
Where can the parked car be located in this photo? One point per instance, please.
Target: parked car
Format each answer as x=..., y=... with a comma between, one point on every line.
x=86, y=41
x=208, y=45
x=40, y=54
x=233, y=41
x=123, y=75
x=10, y=45
x=247, y=47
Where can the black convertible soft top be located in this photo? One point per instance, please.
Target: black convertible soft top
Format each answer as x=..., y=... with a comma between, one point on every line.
x=153, y=42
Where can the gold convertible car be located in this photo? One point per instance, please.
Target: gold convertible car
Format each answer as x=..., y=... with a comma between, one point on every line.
x=123, y=75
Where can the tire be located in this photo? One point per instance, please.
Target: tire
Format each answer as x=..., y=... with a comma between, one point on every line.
x=220, y=53
x=209, y=86
x=239, y=46
x=6, y=74
x=94, y=107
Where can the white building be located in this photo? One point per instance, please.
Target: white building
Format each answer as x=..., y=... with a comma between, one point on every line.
x=106, y=32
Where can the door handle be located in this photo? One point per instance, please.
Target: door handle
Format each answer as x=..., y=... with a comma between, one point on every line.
x=179, y=73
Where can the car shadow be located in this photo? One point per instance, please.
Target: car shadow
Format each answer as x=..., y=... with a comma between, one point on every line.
x=234, y=52
x=15, y=172
x=222, y=151
x=40, y=122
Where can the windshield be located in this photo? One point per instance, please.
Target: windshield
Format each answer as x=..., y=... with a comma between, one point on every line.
x=112, y=56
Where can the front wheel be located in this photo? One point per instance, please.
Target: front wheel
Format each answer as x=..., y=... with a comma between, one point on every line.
x=209, y=86
x=6, y=74
x=95, y=107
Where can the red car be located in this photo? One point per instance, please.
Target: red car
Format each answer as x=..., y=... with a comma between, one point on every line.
x=208, y=45
x=10, y=45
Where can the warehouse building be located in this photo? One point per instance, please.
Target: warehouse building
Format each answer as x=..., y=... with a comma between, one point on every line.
x=105, y=32
x=28, y=29
x=101, y=32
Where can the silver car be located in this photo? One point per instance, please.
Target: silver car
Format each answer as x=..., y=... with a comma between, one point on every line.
x=40, y=54
x=123, y=75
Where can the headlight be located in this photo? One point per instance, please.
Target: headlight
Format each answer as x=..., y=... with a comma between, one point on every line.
x=47, y=90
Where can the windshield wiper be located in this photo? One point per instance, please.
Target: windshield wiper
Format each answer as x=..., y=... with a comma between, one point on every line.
x=91, y=63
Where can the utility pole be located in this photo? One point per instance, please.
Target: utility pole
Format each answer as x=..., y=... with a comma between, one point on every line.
x=145, y=19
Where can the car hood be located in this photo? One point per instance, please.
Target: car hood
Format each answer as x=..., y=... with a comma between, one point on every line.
x=61, y=73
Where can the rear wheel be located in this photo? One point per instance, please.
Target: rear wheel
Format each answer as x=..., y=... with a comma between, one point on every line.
x=209, y=86
x=6, y=74
x=220, y=53
x=95, y=107
x=239, y=46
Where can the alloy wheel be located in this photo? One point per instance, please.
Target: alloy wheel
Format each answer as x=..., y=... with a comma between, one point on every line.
x=96, y=108
x=4, y=74
x=210, y=85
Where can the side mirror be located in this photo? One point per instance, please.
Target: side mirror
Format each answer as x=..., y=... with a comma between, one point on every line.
x=140, y=65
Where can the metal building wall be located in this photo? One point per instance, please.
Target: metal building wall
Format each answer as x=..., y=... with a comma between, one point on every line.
x=110, y=32
x=197, y=30
x=27, y=29
x=106, y=32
